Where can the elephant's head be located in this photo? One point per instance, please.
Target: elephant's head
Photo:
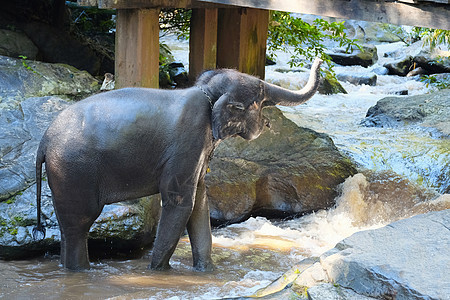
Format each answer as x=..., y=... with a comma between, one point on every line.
x=239, y=98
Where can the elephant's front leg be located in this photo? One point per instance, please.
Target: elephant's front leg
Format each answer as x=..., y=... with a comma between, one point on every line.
x=199, y=229
x=177, y=199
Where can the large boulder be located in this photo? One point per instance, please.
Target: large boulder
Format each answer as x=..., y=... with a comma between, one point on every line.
x=429, y=110
x=371, y=31
x=433, y=61
x=22, y=78
x=407, y=259
x=286, y=171
x=422, y=59
x=15, y=44
x=400, y=66
x=365, y=57
x=428, y=113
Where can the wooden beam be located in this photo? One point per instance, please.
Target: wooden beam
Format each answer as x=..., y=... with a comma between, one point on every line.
x=241, y=40
x=202, y=41
x=137, y=48
x=425, y=14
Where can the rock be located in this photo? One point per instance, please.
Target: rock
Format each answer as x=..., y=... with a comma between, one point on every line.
x=433, y=61
x=416, y=71
x=296, y=79
x=57, y=46
x=426, y=112
x=329, y=85
x=407, y=259
x=331, y=291
x=400, y=67
x=410, y=266
x=124, y=228
x=364, y=58
x=178, y=74
x=381, y=71
x=419, y=60
x=22, y=130
x=21, y=79
x=370, y=31
x=358, y=79
x=15, y=44
x=286, y=171
x=429, y=110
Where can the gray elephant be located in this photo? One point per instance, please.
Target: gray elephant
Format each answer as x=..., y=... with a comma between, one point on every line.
x=134, y=142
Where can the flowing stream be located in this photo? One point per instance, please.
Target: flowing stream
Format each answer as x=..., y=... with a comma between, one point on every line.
x=396, y=164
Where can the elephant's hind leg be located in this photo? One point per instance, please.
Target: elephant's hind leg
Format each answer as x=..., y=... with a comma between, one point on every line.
x=75, y=219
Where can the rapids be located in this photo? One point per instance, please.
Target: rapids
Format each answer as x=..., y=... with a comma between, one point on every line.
x=395, y=164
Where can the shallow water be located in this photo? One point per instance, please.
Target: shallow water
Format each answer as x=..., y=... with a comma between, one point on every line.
x=251, y=254
x=248, y=255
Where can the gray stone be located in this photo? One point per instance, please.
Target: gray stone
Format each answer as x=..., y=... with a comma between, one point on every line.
x=407, y=259
x=432, y=61
x=429, y=110
x=358, y=79
x=328, y=291
x=400, y=67
x=15, y=44
x=21, y=79
x=22, y=131
x=367, y=57
x=371, y=31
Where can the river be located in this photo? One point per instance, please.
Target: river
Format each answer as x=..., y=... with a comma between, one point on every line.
x=395, y=165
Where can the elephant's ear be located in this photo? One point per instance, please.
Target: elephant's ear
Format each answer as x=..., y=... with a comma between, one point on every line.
x=217, y=122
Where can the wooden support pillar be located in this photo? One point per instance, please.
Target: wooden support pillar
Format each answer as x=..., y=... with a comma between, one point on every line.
x=241, y=39
x=137, y=48
x=202, y=41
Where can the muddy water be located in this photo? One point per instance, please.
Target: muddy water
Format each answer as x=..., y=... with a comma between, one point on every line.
x=248, y=255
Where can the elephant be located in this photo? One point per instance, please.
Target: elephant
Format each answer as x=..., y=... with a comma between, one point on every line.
x=134, y=142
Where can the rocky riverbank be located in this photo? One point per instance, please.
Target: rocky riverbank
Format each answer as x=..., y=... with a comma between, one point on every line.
x=403, y=260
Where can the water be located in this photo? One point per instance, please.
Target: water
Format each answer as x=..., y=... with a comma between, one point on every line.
x=397, y=181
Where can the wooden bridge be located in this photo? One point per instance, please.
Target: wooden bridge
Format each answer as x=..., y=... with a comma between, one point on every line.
x=233, y=33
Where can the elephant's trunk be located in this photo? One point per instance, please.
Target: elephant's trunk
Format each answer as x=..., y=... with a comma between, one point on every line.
x=276, y=95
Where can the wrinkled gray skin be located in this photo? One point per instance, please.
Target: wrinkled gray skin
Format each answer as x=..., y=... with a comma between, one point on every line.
x=134, y=142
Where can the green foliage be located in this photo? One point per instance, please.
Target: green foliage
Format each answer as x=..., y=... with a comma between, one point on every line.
x=432, y=80
x=306, y=39
x=92, y=19
x=25, y=64
x=434, y=37
x=177, y=21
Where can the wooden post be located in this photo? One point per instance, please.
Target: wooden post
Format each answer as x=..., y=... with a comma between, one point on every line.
x=202, y=41
x=137, y=48
x=241, y=39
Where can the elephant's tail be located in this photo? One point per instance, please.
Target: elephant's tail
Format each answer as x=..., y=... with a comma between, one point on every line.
x=39, y=229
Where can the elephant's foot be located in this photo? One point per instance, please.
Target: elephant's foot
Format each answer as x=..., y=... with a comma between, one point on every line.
x=74, y=253
x=161, y=266
x=204, y=266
